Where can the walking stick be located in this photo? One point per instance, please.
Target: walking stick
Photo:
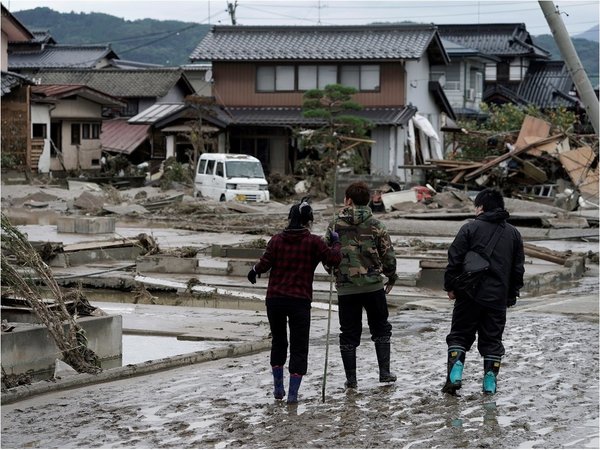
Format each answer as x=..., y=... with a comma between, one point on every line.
x=331, y=277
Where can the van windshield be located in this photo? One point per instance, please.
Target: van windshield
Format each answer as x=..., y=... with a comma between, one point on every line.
x=244, y=169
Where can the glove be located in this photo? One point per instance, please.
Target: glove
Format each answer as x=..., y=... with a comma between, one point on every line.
x=335, y=237
x=252, y=276
x=512, y=301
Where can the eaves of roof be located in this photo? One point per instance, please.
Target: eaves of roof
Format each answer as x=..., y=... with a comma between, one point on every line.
x=62, y=91
x=60, y=56
x=292, y=117
x=14, y=29
x=440, y=98
x=316, y=43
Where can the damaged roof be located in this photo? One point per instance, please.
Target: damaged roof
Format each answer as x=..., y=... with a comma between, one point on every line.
x=548, y=84
x=11, y=80
x=321, y=43
x=499, y=39
x=122, y=83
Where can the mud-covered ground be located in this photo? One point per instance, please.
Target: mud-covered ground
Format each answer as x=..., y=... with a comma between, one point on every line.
x=548, y=397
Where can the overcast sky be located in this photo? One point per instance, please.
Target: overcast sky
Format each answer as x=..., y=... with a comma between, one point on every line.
x=578, y=15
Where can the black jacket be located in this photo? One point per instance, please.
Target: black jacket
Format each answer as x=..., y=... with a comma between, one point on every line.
x=505, y=276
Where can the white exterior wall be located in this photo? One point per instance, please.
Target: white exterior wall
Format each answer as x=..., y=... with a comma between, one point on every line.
x=417, y=93
x=4, y=44
x=81, y=109
x=174, y=95
x=40, y=113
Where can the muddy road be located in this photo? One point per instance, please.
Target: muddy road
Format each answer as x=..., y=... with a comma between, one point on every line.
x=548, y=396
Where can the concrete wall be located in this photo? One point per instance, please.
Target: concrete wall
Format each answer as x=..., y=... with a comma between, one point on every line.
x=31, y=347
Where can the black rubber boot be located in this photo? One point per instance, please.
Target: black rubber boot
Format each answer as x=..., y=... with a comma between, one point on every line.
x=491, y=367
x=383, y=348
x=349, y=359
x=456, y=363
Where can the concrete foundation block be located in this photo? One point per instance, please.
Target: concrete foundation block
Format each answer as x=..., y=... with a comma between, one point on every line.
x=31, y=347
x=86, y=225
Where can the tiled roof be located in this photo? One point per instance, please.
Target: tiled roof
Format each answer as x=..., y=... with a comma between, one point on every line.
x=119, y=136
x=60, y=56
x=42, y=37
x=315, y=43
x=121, y=83
x=58, y=91
x=270, y=116
x=11, y=80
x=547, y=85
x=504, y=39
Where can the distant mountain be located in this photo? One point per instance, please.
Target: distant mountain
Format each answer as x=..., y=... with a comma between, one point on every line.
x=590, y=35
x=166, y=42
x=586, y=50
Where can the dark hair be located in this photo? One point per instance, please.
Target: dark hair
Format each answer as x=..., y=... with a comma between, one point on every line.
x=489, y=199
x=359, y=193
x=300, y=214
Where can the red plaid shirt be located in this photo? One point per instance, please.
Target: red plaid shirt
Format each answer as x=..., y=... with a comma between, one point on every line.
x=292, y=257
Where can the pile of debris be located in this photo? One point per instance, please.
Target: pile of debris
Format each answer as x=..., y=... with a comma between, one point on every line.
x=537, y=167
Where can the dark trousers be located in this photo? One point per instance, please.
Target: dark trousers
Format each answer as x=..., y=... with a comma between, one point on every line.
x=296, y=312
x=350, y=309
x=469, y=318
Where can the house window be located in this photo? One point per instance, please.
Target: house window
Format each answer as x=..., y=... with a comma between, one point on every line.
x=502, y=71
x=75, y=134
x=478, y=83
x=307, y=77
x=363, y=78
x=38, y=131
x=85, y=130
x=132, y=107
x=275, y=78
x=96, y=130
x=490, y=72
x=327, y=75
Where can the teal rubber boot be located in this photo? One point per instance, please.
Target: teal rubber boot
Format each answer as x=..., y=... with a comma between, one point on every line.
x=456, y=364
x=491, y=367
x=295, y=380
x=278, y=389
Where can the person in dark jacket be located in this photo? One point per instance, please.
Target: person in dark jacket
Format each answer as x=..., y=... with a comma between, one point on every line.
x=292, y=257
x=484, y=313
x=366, y=274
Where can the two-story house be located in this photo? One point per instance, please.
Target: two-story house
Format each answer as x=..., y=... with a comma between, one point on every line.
x=260, y=74
x=140, y=89
x=15, y=94
x=512, y=47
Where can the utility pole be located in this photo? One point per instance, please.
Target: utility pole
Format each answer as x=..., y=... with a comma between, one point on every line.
x=231, y=10
x=568, y=53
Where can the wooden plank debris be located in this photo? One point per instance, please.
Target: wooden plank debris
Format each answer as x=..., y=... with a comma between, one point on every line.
x=532, y=129
x=578, y=164
x=546, y=254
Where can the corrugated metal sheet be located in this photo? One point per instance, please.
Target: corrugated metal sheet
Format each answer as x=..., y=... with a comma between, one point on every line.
x=315, y=43
x=60, y=56
x=508, y=39
x=119, y=136
x=157, y=112
x=121, y=83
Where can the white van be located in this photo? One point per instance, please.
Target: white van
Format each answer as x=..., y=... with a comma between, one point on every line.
x=228, y=176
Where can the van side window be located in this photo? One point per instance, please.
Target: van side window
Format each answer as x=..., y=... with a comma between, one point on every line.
x=201, y=166
x=210, y=167
x=219, y=171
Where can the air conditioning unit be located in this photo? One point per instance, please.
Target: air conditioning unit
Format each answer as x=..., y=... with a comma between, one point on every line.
x=471, y=95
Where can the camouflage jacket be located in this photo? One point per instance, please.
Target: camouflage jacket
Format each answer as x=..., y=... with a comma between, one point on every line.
x=367, y=251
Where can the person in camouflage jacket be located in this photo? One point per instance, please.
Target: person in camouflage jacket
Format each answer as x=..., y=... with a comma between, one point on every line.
x=367, y=257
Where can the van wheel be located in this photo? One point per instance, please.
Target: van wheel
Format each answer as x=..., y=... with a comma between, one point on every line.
x=222, y=199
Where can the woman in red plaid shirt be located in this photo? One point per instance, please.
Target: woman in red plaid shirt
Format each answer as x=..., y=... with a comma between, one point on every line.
x=292, y=257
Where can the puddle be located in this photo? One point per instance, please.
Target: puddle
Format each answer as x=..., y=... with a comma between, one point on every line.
x=138, y=349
